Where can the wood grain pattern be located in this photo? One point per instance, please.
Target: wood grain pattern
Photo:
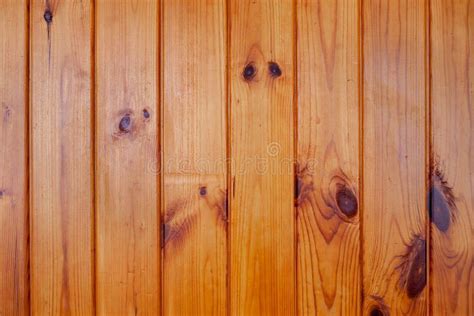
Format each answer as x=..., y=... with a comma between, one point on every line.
x=194, y=156
x=262, y=275
x=14, y=283
x=241, y=157
x=328, y=158
x=394, y=198
x=452, y=159
x=61, y=165
x=127, y=179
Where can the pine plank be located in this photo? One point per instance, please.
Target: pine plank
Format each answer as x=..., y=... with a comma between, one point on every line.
x=127, y=81
x=262, y=229
x=61, y=180
x=452, y=159
x=14, y=283
x=194, y=155
x=394, y=158
x=328, y=158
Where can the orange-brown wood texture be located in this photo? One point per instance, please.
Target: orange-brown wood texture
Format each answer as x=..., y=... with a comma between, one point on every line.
x=452, y=160
x=262, y=225
x=61, y=170
x=236, y=157
x=14, y=281
x=328, y=158
x=394, y=157
x=194, y=158
x=126, y=121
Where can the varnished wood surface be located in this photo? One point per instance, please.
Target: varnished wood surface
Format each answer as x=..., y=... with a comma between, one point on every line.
x=236, y=157
x=194, y=158
x=262, y=249
x=394, y=225
x=14, y=283
x=327, y=198
x=452, y=160
x=61, y=159
x=126, y=122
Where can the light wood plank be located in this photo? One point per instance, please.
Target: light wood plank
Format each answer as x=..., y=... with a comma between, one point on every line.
x=61, y=158
x=262, y=253
x=13, y=158
x=452, y=165
x=394, y=197
x=328, y=158
x=127, y=157
x=194, y=155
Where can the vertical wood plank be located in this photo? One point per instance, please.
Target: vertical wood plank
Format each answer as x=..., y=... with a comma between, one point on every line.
x=452, y=159
x=262, y=253
x=194, y=156
x=394, y=213
x=61, y=158
x=13, y=158
x=127, y=155
x=328, y=158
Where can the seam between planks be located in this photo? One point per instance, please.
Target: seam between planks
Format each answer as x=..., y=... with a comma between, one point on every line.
x=93, y=119
x=27, y=147
x=160, y=177
x=295, y=154
x=428, y=150
x=360, y=38
x=228, y=137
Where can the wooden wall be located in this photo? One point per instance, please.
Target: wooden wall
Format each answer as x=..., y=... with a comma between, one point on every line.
x=239, y=157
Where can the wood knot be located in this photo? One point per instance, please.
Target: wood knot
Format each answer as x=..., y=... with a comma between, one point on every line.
x=417, y=275
x=249, y=72
x=413, y=267
x=146, y=114
x=48, y=16
x=274, y=69
x=203, y=191
x=303, y=186
x=341, y=196
x=376, y=311
x=166, y=230
x=346, y=201
x=1, y=194
x=125, y=123
x=438, y=210
x=441, y=201
x=377, y=306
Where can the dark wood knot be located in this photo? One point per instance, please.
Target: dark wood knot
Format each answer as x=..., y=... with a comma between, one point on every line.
x=146, y=114
x=441, y=200
x=125, y=124
x=439, y=210
x=376, y=311
x=274, y=69
x=346, y=201
x=249, y=72
x=416, y=280
x=412, y=267
x=48, y=16
x=378, y=307
x=202, y=191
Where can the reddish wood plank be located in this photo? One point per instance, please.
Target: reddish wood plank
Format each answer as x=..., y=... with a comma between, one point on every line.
x=328, y=158
x=13, y=158
x=194, y=155
x=452, y=165
x=394, y=198
x=127, y=116
x=61, y=158
x=262, y=228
